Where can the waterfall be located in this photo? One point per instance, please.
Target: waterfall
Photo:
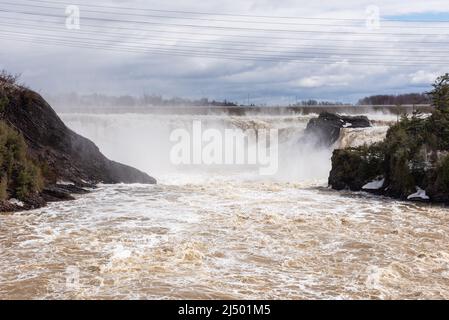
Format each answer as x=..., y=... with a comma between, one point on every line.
x=142, y=141
x=361, y=136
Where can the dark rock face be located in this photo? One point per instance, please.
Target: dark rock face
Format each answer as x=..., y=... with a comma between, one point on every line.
x=60, y=153
x=353, y=168
x=32, y=202
x=412, y=163
x=55, y=193
x=68, y=156
x=326, y=128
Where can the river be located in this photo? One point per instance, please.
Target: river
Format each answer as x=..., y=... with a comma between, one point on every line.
x=223, y=233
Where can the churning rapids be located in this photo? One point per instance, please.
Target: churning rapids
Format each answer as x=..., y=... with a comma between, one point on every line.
x=212, y=233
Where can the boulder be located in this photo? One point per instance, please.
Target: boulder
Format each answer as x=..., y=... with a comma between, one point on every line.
x=354, y=168
x=325, y=130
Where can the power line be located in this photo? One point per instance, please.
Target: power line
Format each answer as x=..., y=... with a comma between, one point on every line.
x=193, y=53
x=241, y=15
x=122, y=13
x=226, y=50
x=264, y=37
x=228, y=28
x=316, y=51
x=250, y=45
x=223, y=50
x=180, y=53
x=174, y=17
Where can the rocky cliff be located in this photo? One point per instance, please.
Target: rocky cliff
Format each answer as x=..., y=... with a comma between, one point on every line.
x=58, y=152
x=412, y=163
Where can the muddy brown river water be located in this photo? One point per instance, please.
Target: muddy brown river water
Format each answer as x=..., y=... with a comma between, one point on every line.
x=222, y=235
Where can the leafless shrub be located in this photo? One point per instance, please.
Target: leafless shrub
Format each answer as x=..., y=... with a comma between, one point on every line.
x=7, y=78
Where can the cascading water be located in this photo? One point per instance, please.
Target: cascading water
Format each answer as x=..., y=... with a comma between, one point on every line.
x=359, y=136
x=215, y=233
x=143, y=141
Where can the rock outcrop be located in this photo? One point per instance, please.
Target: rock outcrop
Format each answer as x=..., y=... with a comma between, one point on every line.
x=412, y=163
x=62, y=154
x=353, y=168
x=325, y=130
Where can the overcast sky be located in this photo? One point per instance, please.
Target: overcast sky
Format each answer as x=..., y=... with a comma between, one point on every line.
x=230, y=49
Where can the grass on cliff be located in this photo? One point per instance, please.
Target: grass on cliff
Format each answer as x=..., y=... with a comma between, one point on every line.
x=3, y=99
x=19, y=176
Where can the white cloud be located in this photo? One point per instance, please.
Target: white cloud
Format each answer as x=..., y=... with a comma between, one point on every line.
x=325, y=68
x=423, y=77
x=325, y=81
x=311, y=82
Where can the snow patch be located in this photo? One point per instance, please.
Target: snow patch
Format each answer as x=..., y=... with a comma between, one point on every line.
x=420, y=194
x=374, y=185
x=16, y=202
x=66, y=183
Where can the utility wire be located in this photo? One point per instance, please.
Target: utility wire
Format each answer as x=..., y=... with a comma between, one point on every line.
x=205, y=46
x=240, y=15
x=124, y=13
x=230, y=28
x=194, y=53
x=262, y=37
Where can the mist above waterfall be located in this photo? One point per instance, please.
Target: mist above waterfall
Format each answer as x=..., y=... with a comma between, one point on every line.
x=143, y=141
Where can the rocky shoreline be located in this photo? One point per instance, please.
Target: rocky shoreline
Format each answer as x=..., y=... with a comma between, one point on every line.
x=42, y=160
x=51, y=193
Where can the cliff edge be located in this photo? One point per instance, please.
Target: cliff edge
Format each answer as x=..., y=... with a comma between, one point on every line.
x=53, y=153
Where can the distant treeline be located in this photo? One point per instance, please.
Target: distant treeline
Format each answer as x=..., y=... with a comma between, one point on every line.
x=102, y=100
x=97, y=100
x=312, y=102
x=401, y=99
